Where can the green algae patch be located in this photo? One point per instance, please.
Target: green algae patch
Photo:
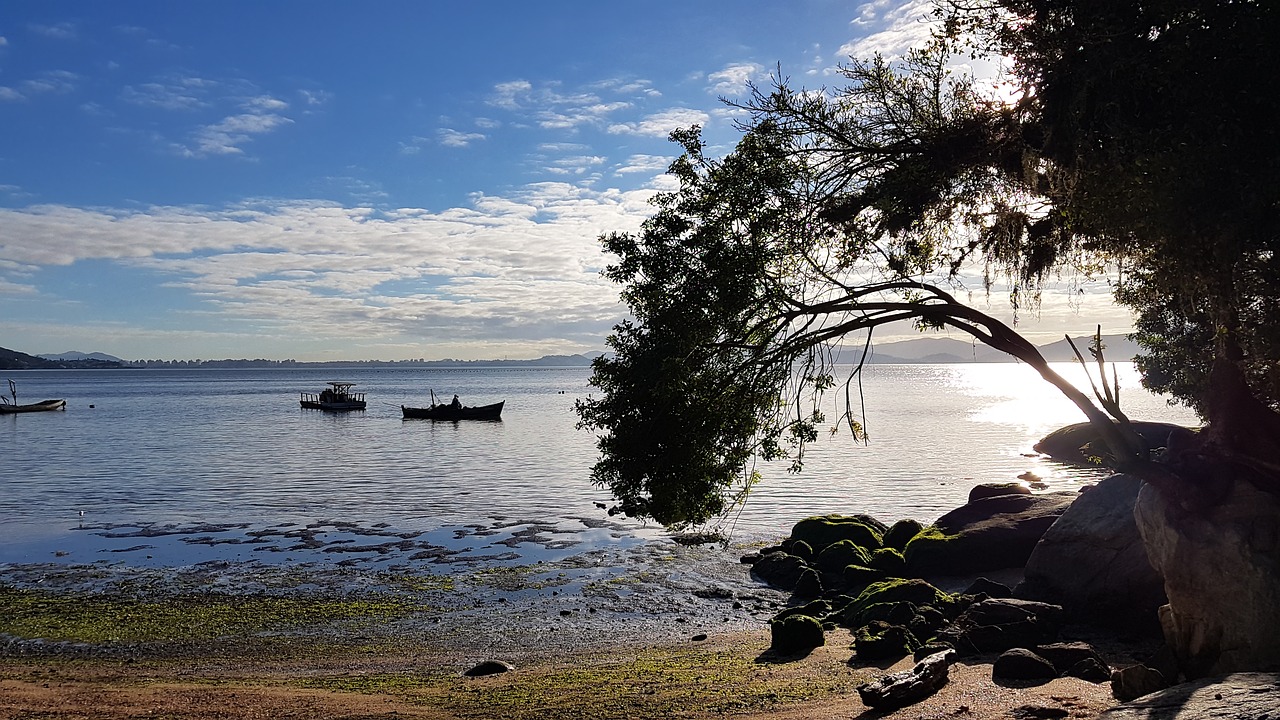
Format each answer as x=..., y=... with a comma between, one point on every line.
x=822, y=531
x=656, y=683
x=107, y=619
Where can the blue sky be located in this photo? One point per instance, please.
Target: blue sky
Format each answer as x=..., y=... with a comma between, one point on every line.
x=387, y=180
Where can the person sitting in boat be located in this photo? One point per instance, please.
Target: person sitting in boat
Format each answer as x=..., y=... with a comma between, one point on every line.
x=456, y=404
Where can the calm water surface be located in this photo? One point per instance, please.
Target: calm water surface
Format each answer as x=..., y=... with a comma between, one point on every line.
x=232, y=446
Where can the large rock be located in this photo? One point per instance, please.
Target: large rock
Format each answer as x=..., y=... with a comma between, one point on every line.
x=1000, y=624
x=1243, y=696
x=987, y=534
x=1068, y=444
x=1221, y=569
x=1092, y=561
x=780, y=570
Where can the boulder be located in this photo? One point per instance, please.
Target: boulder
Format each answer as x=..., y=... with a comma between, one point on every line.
x=795, y=634
x=1064, y=444
x=489, y=667
x=903, y=688
x=1069, y=655
x=1135, y=681
x=986, y=490
x=1092, y=561
x=1022, y=664
x=880, y=640
x=988, y=587
x=1242, y=696
x=900, y=533
x=885, y=592
x=834, y=558
x=1221, y=569
x=821, y=531
x=1000, y=624
x=809, y=585
x=988, y=534
x=779, y=569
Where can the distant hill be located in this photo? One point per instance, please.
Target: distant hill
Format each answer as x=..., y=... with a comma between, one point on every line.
x=14, y=360
x=73, y=355
x=1116, y=348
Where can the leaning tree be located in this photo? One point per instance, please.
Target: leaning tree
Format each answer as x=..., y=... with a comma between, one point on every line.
x=1140, y=140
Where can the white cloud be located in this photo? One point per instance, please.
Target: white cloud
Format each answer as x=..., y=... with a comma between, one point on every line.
x=56, y=82
x=509, y=95
x=173, y=96
x=896, y=29
x=661, y=124
x=8, y=94
x=61, y=31
x=453, y=138
x=734, y=78
x=227, y=136
x=643, y=164
x=520, y=271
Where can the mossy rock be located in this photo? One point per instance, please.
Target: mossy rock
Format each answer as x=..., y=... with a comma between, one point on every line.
x=879, y=641
x=822, y=531
x=894, y=613
x=802, y=550
x=796, y=634
x=890, y=561
x=815, y=609
x=917, y=592
x=856, y=578
x=809, y=585
x=900, y=533
x=926, y=547
x=840, y=554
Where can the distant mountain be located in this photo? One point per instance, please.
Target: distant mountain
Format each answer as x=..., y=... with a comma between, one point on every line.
x=73, y=355
x=1116, y=348
x=14, y=360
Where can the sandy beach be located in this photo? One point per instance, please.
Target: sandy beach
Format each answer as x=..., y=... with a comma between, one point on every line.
x=652, y=629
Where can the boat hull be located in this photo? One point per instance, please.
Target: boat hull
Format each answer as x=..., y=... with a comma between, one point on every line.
x=448, y=412
x=333, y=406
x=43, y=406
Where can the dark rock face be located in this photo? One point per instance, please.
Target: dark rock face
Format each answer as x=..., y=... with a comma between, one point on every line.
x=796, y=634
x=909, y=686
x=900, y=533
x=1022, y=664
x=1064, y=444
x=1092, y=561
x=489, y=667
x=988, y=534
x=779, y=569
x=1242, y=696
x=986, y=490
x=1221, y=570
x=1000, y=624
x=1135, y=681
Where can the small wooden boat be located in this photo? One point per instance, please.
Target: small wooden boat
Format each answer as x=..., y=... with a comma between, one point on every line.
x=8, y=408
x=335, y=398
x=448, y=411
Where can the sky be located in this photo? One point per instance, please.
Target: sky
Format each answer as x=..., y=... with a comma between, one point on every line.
x=388, y=180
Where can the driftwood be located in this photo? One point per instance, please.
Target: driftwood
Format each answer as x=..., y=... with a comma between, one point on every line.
x=903, y=688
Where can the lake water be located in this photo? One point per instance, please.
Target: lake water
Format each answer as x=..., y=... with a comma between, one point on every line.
x=219, y=455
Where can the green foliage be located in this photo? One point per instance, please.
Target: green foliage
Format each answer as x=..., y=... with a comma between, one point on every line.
x=1139, y=139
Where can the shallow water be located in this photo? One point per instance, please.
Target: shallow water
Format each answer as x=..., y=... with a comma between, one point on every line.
x=173, y=467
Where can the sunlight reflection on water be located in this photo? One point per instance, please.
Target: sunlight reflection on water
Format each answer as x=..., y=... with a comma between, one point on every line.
x=230, y=446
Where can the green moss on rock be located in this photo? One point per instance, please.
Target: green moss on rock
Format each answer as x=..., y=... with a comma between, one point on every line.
x=822, y=531
x=890, y=561
x=795, y=634
x=895, y=590
x=840, y=554
x=900, y=533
